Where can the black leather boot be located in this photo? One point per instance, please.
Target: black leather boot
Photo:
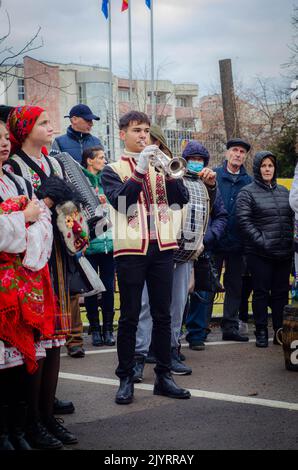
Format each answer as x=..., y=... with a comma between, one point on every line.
x=124, y=395
x=165, y=385
x=108, y=337
x=139, y=368
x=54, y=425
x=5, y=443
x=18, y=422
x=39, y=437
x=261, y=337
x=96, y=334
x=63, y=407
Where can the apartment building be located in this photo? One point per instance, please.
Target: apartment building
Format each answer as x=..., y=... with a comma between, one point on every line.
x=58, y=87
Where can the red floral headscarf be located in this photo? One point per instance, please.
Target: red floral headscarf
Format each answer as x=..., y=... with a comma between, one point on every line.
x=20, y=123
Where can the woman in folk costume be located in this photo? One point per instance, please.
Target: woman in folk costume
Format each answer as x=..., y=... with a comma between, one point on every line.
x=30, y=131
x=26, y=296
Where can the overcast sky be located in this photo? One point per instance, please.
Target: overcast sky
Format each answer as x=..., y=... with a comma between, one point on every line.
x=190, y=36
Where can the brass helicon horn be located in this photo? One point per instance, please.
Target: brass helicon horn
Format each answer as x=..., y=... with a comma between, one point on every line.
x=174, y=167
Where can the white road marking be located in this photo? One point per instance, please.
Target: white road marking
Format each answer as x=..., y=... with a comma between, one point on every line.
x=183, y=345
x=89, y=353
x=194, y=392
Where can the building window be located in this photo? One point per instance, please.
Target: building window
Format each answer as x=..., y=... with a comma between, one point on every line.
x=185, y=125
x=181, y=102
x=123, y=95
x=161, y=98
x=82, y=94
x=21, y=89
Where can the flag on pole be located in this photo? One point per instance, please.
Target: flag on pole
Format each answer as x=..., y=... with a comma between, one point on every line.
x=105, y=8
x=148, y=3
x=124, y=5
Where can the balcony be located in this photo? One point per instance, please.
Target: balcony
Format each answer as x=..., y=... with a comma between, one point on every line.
x=186, y=113
x=162, y=110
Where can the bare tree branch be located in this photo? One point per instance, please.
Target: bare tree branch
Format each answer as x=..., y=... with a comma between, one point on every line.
x=2, y=39
x=25, y=49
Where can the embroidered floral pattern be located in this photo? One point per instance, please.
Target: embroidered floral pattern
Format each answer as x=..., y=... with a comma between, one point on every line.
x=161, y=200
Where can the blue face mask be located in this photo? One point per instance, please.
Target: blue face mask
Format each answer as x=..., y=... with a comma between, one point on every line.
x=195, y=166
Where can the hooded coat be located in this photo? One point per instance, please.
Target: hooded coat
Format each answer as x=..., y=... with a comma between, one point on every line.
x=264, y=215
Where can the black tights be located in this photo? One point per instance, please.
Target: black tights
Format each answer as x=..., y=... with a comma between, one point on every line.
x=12, y=385
x=41, y=386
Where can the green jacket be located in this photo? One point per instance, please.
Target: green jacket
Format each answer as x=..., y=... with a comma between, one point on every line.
x=103, y=243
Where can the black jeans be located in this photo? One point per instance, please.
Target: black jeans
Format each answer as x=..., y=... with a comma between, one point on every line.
x=156, y=269
x=245, y=293
x=105, y=264
x=270, y=281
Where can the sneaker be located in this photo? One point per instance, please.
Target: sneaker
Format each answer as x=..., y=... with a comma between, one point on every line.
x=243, y=327
x=177, y=366
x=76, y=351
x=198, y=346
x=181, y=356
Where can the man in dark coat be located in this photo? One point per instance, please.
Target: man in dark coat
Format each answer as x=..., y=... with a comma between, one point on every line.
x=231, y=178
x=77, y=137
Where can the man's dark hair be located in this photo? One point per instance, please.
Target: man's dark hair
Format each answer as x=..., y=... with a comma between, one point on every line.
x=90, y=152
x=133, y=116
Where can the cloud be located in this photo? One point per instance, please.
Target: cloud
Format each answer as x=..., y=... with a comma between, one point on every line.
x=190, y=36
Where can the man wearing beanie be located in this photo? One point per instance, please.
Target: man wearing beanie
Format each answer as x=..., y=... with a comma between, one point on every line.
x=231, y=177
x=144, y=241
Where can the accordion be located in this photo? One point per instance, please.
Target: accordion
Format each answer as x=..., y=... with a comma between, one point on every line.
x=96, y=216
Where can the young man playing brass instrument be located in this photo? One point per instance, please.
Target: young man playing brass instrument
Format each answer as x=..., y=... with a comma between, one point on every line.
x=144, y=241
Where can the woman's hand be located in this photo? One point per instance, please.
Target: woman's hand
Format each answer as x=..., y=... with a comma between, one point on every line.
x=32, y=212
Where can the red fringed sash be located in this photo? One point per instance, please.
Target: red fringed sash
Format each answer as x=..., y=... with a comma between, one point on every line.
x=26, y=299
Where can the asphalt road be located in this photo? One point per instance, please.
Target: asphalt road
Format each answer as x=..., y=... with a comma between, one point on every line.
x=242, y=398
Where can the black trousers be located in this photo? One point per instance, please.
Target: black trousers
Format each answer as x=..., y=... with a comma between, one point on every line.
x=270, y=282
x=232, y=281
x=156, y=269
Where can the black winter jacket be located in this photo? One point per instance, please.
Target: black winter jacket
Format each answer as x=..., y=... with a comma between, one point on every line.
x=264, y=215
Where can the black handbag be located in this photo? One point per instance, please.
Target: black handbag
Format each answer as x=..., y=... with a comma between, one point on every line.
x=206, y=275
x=83, y=279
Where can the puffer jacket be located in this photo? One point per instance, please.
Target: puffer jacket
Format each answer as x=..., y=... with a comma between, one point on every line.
x=264, y=215
x=74, y=143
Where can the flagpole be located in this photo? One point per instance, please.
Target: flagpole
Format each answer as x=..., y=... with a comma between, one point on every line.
x=153, y=97
x=130, y=52
x=111, y=114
